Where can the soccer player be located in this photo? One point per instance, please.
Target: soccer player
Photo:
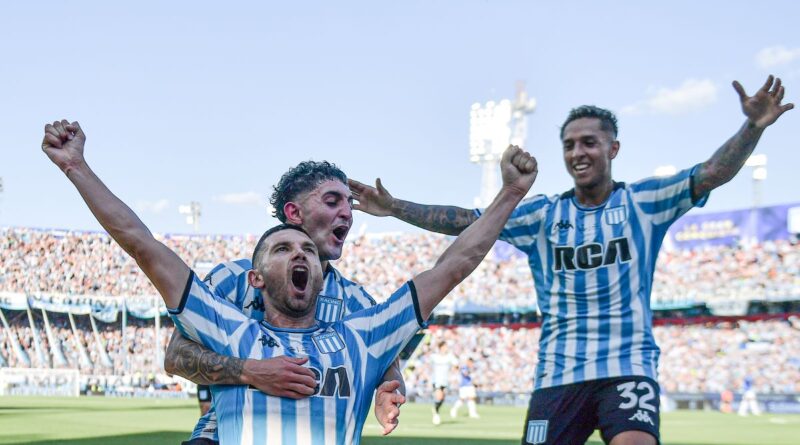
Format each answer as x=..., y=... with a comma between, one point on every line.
x=466, y=391
x=442, y=363
x=347, y=357
x=592, y=252
x=314, y=196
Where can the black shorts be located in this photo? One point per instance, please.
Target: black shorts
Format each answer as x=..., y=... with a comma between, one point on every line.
x=203, y=393
x=569, y=414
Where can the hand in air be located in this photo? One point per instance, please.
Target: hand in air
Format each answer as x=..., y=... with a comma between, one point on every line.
x=519, y=169
x=764, y=107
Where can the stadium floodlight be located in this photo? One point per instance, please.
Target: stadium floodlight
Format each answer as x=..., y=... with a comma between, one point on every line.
x=759, y=174
x=192, y=212
x=665, y=170
x=492, y=127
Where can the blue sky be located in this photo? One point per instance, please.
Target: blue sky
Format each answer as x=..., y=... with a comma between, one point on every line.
x=211, y=102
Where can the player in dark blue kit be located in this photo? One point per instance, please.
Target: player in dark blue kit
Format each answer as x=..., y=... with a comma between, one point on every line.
x=592, y=252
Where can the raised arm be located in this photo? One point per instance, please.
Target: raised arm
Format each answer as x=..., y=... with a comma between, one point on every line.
x=519, y=171
x=761, y=110
x=377, y=201
x=63, y=143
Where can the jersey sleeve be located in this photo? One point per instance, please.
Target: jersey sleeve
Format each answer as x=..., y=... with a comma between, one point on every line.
x=524, y=223
x=228, y=281
x=386, y=327
x=666, y=199
x=208, y=320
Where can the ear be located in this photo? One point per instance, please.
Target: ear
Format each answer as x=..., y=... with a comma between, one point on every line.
x=614, y=150
x=294, y=214
x=255, y=279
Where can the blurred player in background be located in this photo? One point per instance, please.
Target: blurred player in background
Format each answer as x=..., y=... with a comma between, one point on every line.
x=592, y=252
x=443, y=363
x=466, y=391
x=749, y=403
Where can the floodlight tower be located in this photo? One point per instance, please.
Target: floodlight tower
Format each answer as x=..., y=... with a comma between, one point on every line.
x=192, y=212
x=492, y=127
x=758, y=163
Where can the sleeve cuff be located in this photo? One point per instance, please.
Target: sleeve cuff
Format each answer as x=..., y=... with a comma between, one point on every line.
x=185, y=295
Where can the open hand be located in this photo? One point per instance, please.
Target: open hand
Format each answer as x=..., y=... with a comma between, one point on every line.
x=376, y=201
x=764, y=107
x=387, y=405
x=280, y=377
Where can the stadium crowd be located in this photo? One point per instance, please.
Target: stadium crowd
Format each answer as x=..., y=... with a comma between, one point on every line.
x=85, y=263
x=699, y=358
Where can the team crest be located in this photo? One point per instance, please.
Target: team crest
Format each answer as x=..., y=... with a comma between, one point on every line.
x=536, y=432
x=328, y=342
x=329, y=309
x=616, y=215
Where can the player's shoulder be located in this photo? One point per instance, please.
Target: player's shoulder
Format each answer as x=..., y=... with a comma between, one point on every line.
x=654, y=183
x=351, y=291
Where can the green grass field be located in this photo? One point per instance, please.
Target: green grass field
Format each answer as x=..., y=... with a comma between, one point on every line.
x=96, y=421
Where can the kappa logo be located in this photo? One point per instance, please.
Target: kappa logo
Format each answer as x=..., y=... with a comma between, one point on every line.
x=266, y=340
x=642, y=416
x=256, y=304
x=562, y=225
x=536, y=432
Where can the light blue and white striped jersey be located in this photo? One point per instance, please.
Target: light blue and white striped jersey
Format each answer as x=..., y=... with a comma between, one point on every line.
x=593, y=271
x=349, y=357
x=339, y=297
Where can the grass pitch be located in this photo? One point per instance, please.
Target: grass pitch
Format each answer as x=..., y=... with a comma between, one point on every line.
x=96, y=421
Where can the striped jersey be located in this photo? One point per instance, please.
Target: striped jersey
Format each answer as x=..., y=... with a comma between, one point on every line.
x=339, y=297
x=593, y=271
x=349, y=358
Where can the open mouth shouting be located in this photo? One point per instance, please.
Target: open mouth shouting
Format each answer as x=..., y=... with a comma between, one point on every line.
x=300, y=278
x=340, y=232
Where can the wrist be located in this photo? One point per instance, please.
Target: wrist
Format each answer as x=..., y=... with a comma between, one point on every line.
x=72, y=168
x=753, y=125
x=513, y=191
x=244, y=376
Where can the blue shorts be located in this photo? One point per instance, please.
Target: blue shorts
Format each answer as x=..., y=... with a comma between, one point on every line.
x=569, y=414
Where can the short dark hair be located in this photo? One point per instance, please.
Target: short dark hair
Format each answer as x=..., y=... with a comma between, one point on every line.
x=608, y=122
x=304, y=177
x=257, y=254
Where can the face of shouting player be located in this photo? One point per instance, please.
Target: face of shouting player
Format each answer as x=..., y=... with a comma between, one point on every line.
x=290, y=276
x=588, y=151
x=326, y=213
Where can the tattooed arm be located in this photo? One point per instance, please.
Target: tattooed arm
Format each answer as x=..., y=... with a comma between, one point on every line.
x=762, y=110
x=377, y=201
x=279, y=376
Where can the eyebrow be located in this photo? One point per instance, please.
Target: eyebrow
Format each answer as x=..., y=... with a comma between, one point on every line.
x=338, y=194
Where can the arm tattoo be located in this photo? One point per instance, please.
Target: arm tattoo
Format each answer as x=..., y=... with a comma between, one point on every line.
x=449, y=220
x=726, y=162
x=200, y=365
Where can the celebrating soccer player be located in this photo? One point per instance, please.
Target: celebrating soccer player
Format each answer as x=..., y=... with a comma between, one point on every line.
x=347, y=357
x=314, y=196
x=592, y=252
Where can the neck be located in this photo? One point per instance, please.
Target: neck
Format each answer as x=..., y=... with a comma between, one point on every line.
x=594, y=195
x=276, y=318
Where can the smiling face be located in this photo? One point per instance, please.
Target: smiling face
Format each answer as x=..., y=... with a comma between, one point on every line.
x=289, y=273
x=326, y=213
x=588, y=151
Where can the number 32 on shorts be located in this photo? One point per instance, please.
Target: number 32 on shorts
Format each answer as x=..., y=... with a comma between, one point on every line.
x=634, y=394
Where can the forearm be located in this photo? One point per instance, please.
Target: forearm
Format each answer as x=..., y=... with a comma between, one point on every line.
x=163, y=267
x=468, y=250
x=200, y=365
x=114, y=215
x=394, y=373
x=726, y=162
x=449, y=220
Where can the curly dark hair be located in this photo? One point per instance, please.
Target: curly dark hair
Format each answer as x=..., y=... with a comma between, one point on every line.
x=608, y=122
x=303, y=178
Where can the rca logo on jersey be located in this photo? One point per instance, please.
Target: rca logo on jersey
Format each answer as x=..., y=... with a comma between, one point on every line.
x=591, y=256
x=537, y=432
x=335, y=384
x=642, y=416
x=616, y=215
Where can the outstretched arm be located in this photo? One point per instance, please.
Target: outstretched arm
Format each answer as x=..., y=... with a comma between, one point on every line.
x=377, y=201
x=63, y=143
x=519, y=171
x=762, y=110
